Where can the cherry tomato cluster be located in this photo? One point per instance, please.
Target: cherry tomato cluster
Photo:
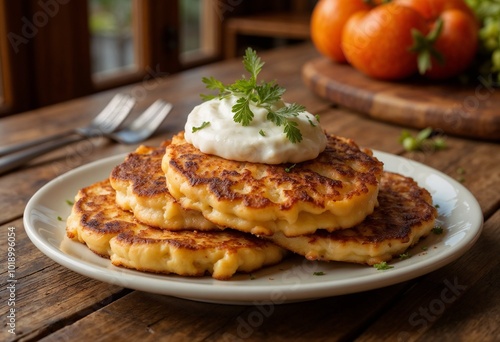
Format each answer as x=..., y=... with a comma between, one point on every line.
x=392, y=40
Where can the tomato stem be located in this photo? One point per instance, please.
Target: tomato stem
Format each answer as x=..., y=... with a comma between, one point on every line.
x=424, y=47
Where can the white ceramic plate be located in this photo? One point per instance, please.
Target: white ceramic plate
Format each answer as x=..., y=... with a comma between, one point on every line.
x=294, y=279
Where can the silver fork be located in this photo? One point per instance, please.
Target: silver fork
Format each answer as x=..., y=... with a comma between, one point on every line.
x=138, y=130
x=107, y=121
x=144, y=126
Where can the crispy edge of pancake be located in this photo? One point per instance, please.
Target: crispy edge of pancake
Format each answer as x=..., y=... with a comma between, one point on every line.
x=81, y=225
x=111, y=232
x=405, y=215
x=140, y=187
x=231, y=193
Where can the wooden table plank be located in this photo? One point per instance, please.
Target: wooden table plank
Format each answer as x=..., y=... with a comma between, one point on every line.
x=153, y=315
x=475, y=164
x=445, y=293
x=58, y=304
x=46, y=296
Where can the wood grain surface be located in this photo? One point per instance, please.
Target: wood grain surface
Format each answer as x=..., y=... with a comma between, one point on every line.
x=469, y=111
x=53, y=303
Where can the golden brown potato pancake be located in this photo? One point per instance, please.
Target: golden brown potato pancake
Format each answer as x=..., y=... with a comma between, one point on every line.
x=405, y=214
x=336, y=190
x=140, y=187
x=111, y=232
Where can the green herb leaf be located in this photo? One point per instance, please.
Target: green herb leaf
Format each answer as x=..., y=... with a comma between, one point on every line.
x=268, y=93
x=292, y=131
x=404, y=256
x=382, y=266
x=242, y=112
x=424, y=134
x=203, y=125
x=263, y=95
x=438, y=230
x=213, y=84
x=319, y=273
x=252, y=63
x=423, y=141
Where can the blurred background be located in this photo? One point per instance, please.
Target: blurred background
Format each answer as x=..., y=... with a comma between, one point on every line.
x=56, y=50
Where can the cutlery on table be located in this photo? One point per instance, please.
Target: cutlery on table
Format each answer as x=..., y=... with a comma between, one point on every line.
x=107, y=121
x=138, y=130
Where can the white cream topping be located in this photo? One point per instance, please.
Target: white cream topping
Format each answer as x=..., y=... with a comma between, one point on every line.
x=260, y=142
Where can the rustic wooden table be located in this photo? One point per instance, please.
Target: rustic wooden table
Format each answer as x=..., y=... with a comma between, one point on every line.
x=43, y=300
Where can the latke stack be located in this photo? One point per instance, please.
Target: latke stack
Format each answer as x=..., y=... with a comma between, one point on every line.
x=173, y=240
x=174, y=209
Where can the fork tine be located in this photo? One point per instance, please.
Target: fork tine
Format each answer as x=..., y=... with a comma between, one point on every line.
x=156, y=112
x=117, y=114
x=110, y=107
x=161, y=115
x=101, y=117
x=145, y=125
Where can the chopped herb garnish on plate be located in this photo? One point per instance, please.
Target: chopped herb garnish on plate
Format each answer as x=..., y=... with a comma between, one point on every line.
x=437, y=230
x=383, y=266
x=404, y=256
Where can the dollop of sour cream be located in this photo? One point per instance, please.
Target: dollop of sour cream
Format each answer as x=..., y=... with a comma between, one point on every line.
x=215, y=132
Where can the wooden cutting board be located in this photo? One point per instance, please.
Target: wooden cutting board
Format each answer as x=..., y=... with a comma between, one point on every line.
x=470, y=111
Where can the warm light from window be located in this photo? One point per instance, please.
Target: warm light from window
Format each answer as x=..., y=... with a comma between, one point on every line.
x=111, y=37
x=2, y=95
x=198, y=30
x=190, y=25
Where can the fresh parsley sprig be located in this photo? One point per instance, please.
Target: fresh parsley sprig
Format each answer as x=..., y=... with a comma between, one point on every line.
x=425, y=140
x=263, y=94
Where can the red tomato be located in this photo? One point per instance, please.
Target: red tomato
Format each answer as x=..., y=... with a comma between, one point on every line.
x=457, y=42
x=432, y=9
x=378, y=42
x=327, y=21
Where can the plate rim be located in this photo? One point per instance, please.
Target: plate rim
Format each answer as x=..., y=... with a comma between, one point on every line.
x=239, y=294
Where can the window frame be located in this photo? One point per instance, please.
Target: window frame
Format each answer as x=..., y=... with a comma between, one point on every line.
x=44, y=71
x=210, y=39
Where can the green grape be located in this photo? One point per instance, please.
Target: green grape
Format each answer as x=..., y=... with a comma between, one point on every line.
x=488, y=58
x=495, y=58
